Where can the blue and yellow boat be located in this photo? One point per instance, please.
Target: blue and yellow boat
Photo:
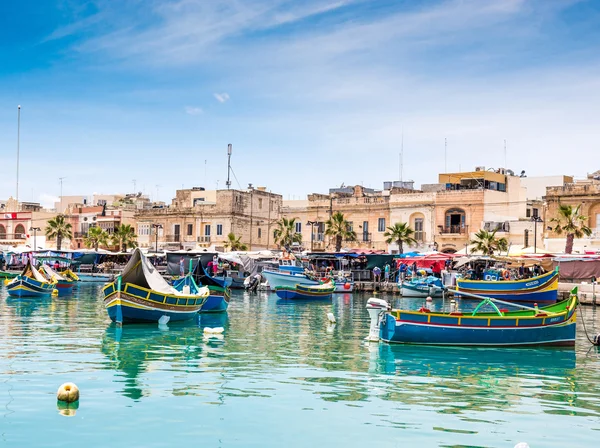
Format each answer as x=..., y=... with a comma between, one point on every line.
x=29, y=283
x=302, y=292
x=553, y=325
x=63, y=282
x=140, y=294
x=219, y=295
x=541, y=289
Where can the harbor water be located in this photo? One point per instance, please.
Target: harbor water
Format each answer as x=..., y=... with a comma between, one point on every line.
x=280, y=375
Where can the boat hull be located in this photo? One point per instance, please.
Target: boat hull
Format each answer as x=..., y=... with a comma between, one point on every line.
x=28, y=287
x=280, y=279
x=136, y=304
x=64, y=287
x=408, y=289
x=8, y=274
x=546, y=326
x=304, y=293
x=217, y=302
x=541, y=289
x=99, y=278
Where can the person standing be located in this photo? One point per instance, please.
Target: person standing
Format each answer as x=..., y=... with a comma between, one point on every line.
x=436, y=269
x=386, y=272
x=377, y=274
x=402, y=269
x=522, y=270
x=181, y=267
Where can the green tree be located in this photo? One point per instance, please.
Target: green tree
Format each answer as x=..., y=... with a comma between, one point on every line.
x=234, y=243
x=58, y=229
x=124, y=236
x=569, y=221
x=339, y=229
x=487, y=243
x=285, y=233
x=400, y=233
x=96, y=237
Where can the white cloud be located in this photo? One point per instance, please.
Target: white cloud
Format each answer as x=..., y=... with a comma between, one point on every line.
x=221, y=97
x=193, y=110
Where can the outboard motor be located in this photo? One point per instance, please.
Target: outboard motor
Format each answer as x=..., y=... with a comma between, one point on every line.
x=376, y=308
x=253, y=283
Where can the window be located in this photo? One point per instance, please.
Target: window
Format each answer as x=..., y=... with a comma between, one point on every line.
x=176, y=230
x=528, y=213
x=526, y=238
x=259, y=233
x=298, y=227
x=190, y=229
x=455, y=220
x=20, y=231
x=350, y=226
x=2, y=232
x=260, y=203
x=219, y=229
x=207, y=230
x=534, y=212
x=419, y=229
x=365, y=235
x=381, y=225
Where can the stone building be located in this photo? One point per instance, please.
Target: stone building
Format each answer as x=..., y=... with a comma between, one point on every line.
x=584, y=193
x=200, y=218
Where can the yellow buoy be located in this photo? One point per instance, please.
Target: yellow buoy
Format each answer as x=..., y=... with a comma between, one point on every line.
x=68, y=393
x=55, y=293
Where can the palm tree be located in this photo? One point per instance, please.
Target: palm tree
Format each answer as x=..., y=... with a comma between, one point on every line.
x=96, y=237
x=60, y=229
x=124, y=236
x=233, y=243
x=400, y=233
x=285, y=233
x=339, y=229
x=572, y=223
x=487, y=243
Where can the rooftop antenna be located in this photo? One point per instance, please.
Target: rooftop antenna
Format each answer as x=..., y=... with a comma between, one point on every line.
x=445, y=155
x=60, y=179
x=18, y=147
x=401, y=154
x=228, y=183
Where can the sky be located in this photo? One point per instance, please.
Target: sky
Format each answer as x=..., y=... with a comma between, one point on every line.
x=312, y=94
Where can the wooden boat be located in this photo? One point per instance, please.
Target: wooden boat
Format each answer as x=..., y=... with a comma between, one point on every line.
x=301, y=292
x=540, y=289
x=8, y=274
x=140, y=294
x=553, y=325
x=218, y=298
x=63, y=282
x=29, y=283
x=421, y=287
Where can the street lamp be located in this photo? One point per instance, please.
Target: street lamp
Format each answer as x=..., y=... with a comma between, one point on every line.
x=312, y=233
x=535, y=220
x=156, y=227
x=35, y=230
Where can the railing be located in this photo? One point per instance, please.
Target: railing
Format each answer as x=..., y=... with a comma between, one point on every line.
x=419, y=236
x=204, y=239
x=172, y=238
x=79, y=234
x=458, y=229
x=365, y=237
x=12, y=236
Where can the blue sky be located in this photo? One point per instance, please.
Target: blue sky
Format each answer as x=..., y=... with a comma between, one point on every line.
x=311, y=94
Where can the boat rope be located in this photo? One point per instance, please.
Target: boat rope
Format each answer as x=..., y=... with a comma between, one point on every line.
x=596, y=340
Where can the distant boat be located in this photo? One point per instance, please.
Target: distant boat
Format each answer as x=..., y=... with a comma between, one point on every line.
x=553, y=325
x=95, y=278
x=301, y=292
x=141, y=294
x=422, y=287
x=29, y=283
x=8, y=274
x=540, y=289
x=219, y=293
x=278, y=279
x=63, y=282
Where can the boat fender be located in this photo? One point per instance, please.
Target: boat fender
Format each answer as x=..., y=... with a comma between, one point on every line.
x=346, y=285
x=424, y=310
x=54, y=292
x=506, y=274
x=428, y=299
x=68, y=392
x=216, y=330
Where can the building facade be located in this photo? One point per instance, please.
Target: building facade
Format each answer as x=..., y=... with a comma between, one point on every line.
x=198, y=218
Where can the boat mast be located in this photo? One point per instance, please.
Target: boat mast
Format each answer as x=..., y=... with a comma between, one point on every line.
x=228, y=183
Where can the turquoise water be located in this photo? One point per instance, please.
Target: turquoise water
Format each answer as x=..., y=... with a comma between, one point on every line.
x=280, y=377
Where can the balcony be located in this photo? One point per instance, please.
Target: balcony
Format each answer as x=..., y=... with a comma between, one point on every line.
x=365, y=237
x=12, y=236
x=204, y=239
x=456, y=230
x=172, y=238
x=79, y=234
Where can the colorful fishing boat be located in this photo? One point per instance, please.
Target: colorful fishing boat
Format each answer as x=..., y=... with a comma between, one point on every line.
x=63, y=282
x=141, y=294
x=8, y=274
x=29, y=283
x=278, y=279
x=422, y=287
x=217, y=300
x=553, y=325
x=542, y=289
x=301, y=292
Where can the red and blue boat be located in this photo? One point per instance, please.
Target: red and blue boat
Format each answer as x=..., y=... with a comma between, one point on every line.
x=63, y=282
x=29, y=283
x=542, y=289
x=302, y=292
x=219, y=293
x=553, y=325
